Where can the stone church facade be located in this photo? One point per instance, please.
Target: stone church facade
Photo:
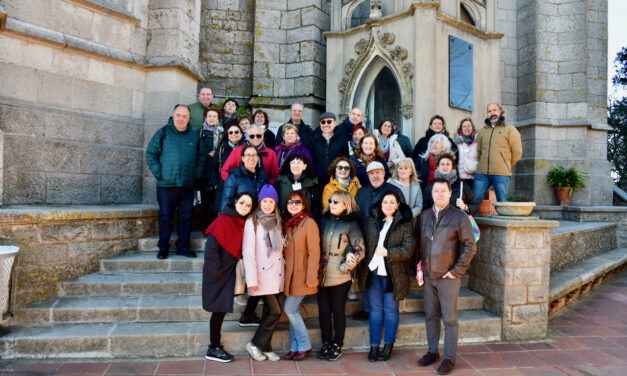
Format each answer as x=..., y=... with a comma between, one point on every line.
x=85, y=83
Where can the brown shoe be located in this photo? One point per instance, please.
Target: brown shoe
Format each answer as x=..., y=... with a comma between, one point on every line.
x=446, y=367
x=428, y=359
x=299, y=355
x=289, y=355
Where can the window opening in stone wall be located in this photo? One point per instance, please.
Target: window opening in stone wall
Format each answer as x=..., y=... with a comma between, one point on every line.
x=384, y=100
x=465, y=16
x=360, y=14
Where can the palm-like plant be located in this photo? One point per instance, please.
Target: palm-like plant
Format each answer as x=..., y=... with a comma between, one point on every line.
x=562, y=177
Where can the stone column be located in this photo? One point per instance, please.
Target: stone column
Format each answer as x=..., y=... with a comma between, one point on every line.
x=511, y=270
x=561, y=97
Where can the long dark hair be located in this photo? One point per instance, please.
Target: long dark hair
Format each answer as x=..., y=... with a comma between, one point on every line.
x=378, y=212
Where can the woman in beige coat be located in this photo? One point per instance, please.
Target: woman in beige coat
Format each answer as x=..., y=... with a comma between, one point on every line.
x=302, y=259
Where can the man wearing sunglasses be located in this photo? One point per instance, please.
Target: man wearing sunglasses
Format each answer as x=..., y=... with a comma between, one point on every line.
x=268, y=160
x=327, y=144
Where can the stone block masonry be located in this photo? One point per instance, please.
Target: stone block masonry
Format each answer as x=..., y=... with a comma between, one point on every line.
x=511, y=270
x=60, y=244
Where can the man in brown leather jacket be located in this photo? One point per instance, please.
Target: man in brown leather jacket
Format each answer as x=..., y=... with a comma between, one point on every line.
x=446, y=245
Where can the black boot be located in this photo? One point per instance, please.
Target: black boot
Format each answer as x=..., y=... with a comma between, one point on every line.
x=323, y=353
x=335, y=352
x=373, y=355
x=387, y=351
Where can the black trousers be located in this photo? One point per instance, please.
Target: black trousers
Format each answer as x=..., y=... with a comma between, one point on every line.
x=251, y=306
x=263, y=336
x=207, y=212
x=215, y=329
x=332, y=300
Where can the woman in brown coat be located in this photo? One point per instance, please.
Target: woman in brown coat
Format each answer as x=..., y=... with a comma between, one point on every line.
x=302, y=258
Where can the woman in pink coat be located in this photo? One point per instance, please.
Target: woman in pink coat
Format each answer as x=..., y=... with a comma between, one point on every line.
x=264, y=265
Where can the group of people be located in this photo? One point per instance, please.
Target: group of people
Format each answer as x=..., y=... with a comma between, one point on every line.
x=324, y=212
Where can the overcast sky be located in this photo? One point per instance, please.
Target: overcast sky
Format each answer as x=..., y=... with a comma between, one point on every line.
x=617, y=38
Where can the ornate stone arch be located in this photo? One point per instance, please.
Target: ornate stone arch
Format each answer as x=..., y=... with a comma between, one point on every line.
x=372, y=56
x=476, y=12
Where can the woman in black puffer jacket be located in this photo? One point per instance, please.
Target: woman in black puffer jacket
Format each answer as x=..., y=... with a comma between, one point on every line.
x=232, y=137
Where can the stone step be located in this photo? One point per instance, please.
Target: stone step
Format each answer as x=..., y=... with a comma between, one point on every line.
x=181, y=309
x=145, y=262
x=141, y=284
x=573, y=242
x=149, y=244
x=190, y=339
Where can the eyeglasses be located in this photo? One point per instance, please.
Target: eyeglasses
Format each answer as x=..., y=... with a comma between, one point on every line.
x=326, y=121
x=244, y=203
x=250, y=155
x=294, y=202
x=345, y=168
x=253, y=136
x=233, y=132
x=334, y=201
x=297, y=162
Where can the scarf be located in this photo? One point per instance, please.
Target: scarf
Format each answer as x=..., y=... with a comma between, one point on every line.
x=229, y=232
x=466, y=139
x=232, y=145
x=268, y=221
x=451, y=176
x=365, y=159
x=344, y=183
x=215, y=130
x=283, y=150
x=353, y=145
x=384, y=143
x=296, y=219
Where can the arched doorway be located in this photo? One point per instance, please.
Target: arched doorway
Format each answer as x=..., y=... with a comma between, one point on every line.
x=384, y=99
x=378, y=94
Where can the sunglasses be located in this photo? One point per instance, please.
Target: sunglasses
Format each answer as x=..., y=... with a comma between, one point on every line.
x=251, y=156
x=345, y=168
x=233, y=132
x=334, y=201
x=253, y=136
x=326, y=121
x=244, y=203
x=293, y=202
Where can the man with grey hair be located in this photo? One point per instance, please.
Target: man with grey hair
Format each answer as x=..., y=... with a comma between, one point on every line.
x=197, y=109
x=268, y=161
x=499, y=148
x=305, y=133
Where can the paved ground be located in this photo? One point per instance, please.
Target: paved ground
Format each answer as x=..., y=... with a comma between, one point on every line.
x=588, y=338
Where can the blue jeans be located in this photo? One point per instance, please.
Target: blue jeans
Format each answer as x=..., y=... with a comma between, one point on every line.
x=483, y=182
x=383, y=311
x=169, y=200
x=298, y=332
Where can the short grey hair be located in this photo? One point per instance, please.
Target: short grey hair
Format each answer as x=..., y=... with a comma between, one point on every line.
x=441, y=138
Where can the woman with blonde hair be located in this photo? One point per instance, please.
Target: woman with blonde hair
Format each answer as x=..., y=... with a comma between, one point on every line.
x=368, y=151
x=343, y=177
x=264, y=266
x=406, y=179
x=342, y=247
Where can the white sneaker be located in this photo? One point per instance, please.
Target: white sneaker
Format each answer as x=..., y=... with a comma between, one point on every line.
x=254, y=352
x=272, y=356
x=352, y=296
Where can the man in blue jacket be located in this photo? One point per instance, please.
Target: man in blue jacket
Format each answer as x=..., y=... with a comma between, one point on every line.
x=175, y=158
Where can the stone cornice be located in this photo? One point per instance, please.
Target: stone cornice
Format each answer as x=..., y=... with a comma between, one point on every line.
x=561, y=123
x=54, y=39
x=95, y=7
x=410, y=12
x=78, y=212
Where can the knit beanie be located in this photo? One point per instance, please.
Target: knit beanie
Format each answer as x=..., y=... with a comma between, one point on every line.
x=268, y=191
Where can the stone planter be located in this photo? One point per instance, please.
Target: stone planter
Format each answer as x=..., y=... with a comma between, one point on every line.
x=515, y=209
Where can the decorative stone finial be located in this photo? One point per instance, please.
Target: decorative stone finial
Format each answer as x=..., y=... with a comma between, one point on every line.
x=375, y=9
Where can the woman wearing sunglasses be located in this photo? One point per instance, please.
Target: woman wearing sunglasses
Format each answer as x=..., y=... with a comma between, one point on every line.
x=262, y=250
x=302, y=260
x=342, y=247
x=222, y=251
x=342, y=177
x=232, y=137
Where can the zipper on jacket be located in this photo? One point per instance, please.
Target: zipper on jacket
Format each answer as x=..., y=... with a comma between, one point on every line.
x=506, y=164
x=339, y=241
x=490, y=149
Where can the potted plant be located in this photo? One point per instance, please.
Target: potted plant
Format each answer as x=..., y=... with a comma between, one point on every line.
x=517, y=205
x=565, y=181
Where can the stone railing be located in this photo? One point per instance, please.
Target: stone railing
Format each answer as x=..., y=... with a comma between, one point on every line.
x=59, y=244
x=512, y=270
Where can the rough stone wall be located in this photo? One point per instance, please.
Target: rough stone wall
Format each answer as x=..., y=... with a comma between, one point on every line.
x=562, y=48
x=60, y=245
x=506, y=19
x=226, y=47
x=568, y=249
x=511, y=270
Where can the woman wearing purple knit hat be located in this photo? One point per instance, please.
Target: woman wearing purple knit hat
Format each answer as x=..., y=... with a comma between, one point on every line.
x=264, y=266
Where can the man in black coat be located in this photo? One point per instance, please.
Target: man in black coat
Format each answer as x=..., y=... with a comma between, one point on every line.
x=327, y=144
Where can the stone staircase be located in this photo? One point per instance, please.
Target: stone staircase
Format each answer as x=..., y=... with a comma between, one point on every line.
x=139, y=306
